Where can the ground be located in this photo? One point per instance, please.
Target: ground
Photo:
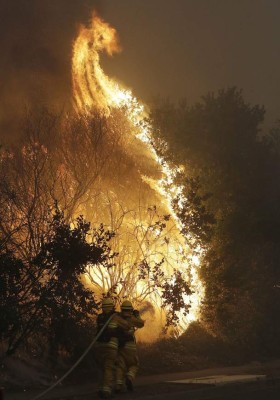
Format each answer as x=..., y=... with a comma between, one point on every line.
x=158, y=387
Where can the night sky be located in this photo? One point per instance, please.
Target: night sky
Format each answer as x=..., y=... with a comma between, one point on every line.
x=176, y=49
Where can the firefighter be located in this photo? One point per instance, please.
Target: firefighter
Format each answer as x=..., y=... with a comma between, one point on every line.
x=106, y=348
x=127, y=362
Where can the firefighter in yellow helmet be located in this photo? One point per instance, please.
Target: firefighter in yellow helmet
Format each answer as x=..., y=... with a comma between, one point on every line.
x=127, y=362
x=106, y=348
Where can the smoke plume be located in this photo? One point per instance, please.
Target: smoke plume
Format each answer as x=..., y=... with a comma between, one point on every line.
x=36, y=38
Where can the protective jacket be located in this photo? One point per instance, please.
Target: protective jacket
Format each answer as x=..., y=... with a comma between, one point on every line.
x=127, y=362
x=106, y=348
x=127, y=337
x=115, y=329
x=109, y=331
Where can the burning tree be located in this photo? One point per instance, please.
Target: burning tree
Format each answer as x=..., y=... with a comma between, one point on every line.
x=93, y=90
x=99, y=163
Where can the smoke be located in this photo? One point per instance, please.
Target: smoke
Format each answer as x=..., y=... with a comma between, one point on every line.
x=36, y=38
x=147, y=307
x=154, y=321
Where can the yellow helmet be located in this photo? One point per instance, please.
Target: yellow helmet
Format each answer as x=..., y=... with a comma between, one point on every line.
x=126, y=306
x=107, y=304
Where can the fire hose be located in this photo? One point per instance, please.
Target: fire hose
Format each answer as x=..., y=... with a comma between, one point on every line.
x=76, y=363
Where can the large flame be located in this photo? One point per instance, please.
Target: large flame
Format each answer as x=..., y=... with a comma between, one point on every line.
x=92, y=90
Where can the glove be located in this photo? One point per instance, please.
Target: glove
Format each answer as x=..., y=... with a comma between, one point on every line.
x=136, y=313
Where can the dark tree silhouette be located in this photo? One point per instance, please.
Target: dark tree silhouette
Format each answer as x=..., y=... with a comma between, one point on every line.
x=219, y=141
x=47, y=296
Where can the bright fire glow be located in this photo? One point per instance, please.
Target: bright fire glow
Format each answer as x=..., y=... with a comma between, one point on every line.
x=93, y=90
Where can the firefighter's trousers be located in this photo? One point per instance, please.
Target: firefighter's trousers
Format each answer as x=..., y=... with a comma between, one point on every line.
x=127, y=363
x=105, y=356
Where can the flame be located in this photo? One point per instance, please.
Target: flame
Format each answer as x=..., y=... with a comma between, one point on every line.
x=92, y=89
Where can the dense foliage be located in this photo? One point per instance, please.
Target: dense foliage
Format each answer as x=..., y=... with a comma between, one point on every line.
x=45, y=296
x=220, y=143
